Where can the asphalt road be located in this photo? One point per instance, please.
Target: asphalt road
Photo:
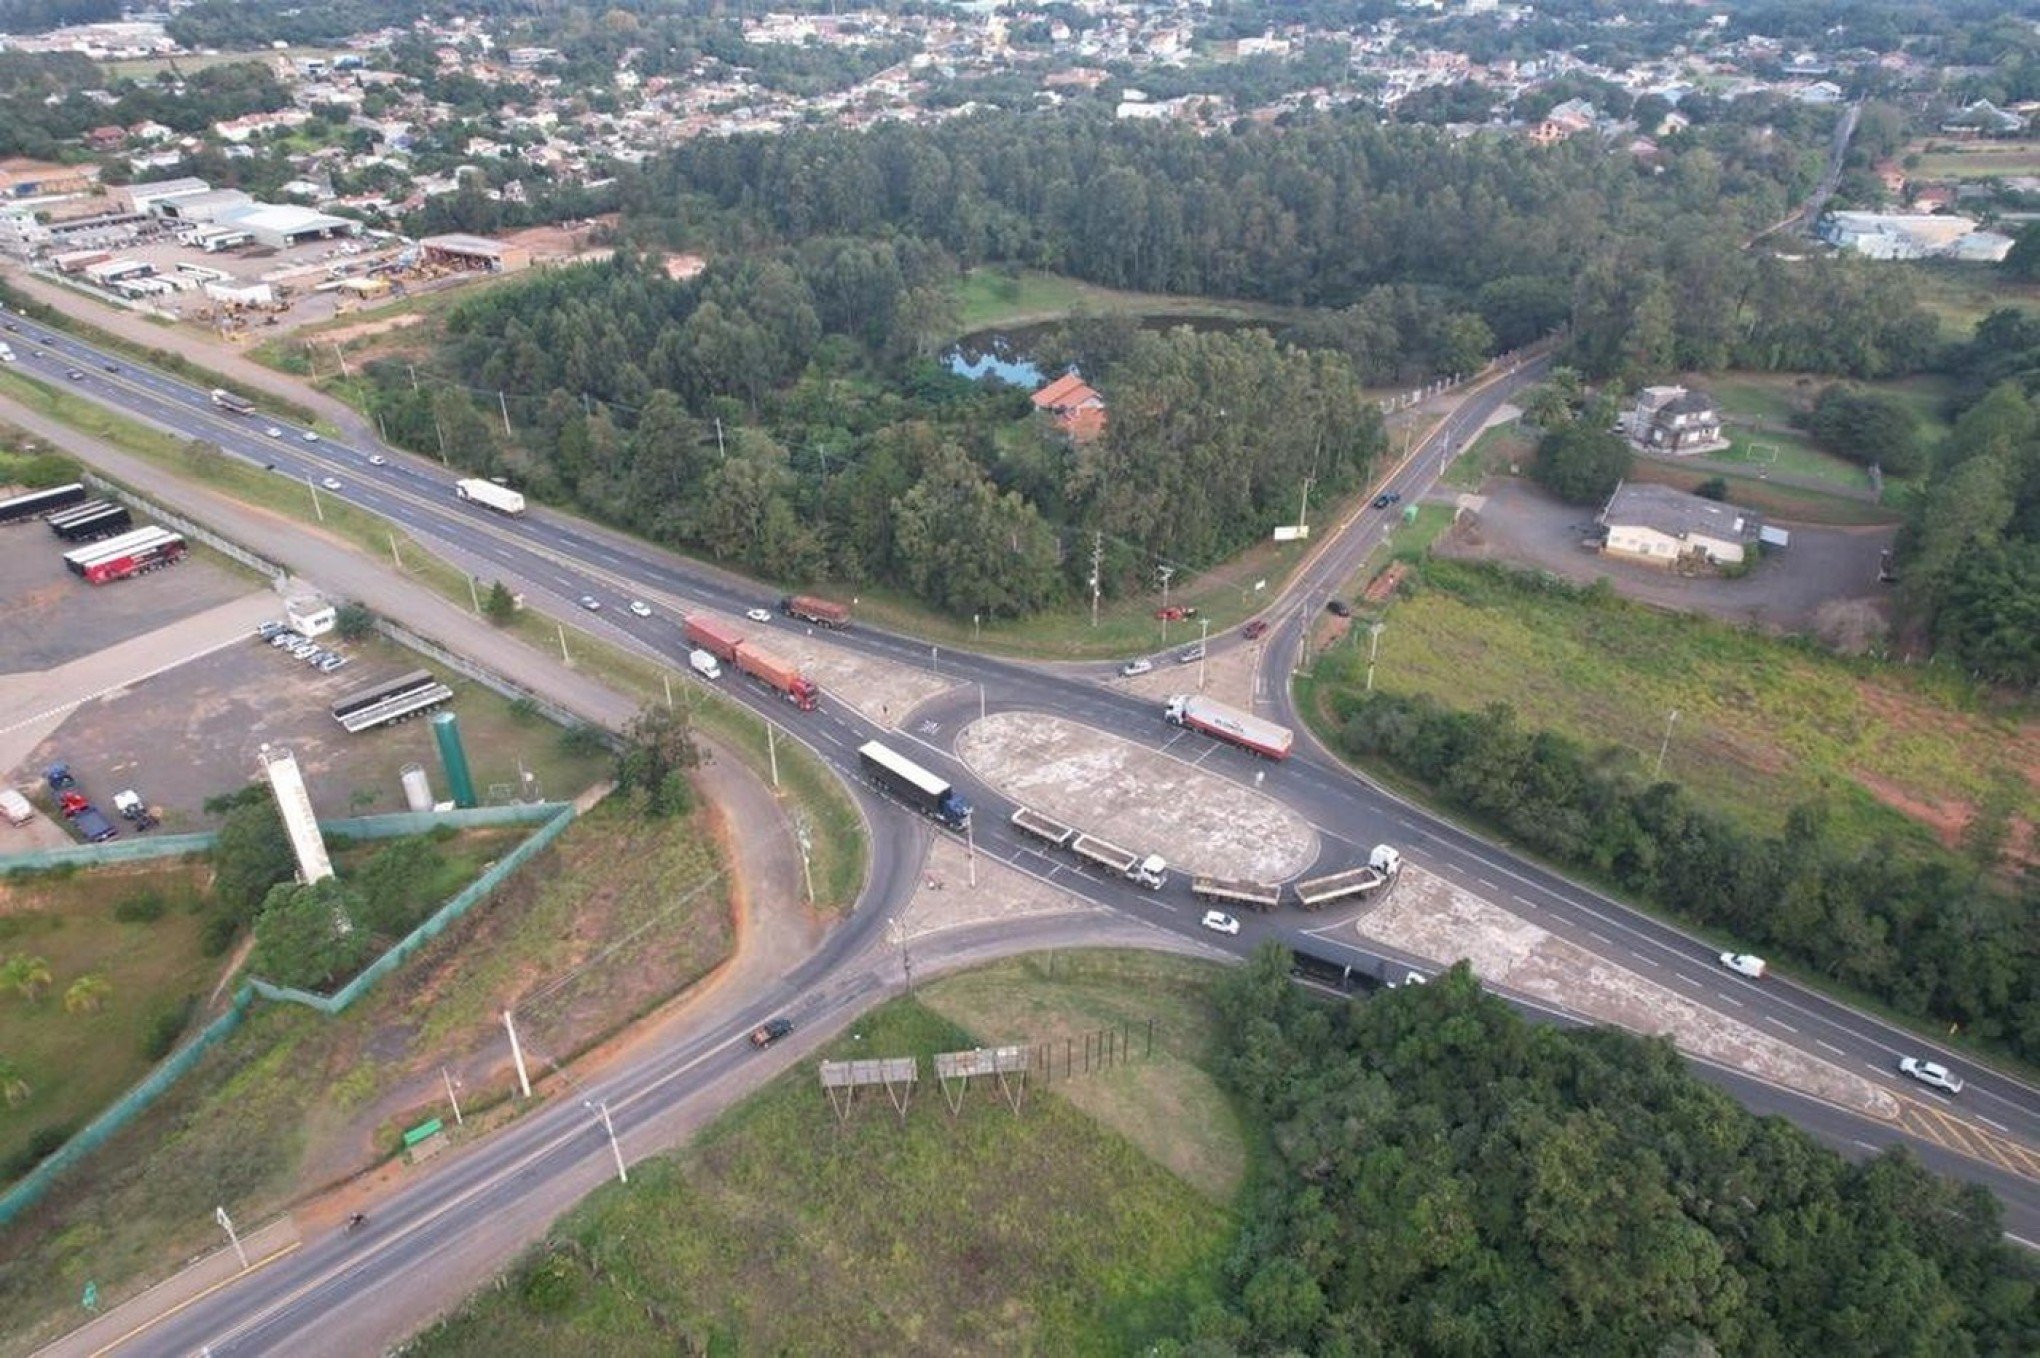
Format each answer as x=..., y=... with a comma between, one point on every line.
x=289, y=1304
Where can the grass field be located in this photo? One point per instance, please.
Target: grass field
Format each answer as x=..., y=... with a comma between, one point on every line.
x=295, y=1101
x=76, y=1063
x=1963, y=294
x=1493, y=453
x=986, y=298
x=1939, y=158
x=780, y=1232
x=1763, y=724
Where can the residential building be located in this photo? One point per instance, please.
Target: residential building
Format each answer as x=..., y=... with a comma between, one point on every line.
x=1670, y=528
x=1672, y=419
x=1074, y=405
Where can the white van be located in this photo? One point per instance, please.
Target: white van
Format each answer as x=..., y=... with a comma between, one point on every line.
x=704, y=664
x=15, y=807
x=6, y=353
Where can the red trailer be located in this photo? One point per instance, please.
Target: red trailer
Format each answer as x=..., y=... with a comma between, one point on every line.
x=770, y=670
x=823, y=612
x=712, y=637
x=133, y=554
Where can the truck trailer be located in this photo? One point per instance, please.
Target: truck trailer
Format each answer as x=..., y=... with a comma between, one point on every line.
x=1319, y=892
x=1151, y=871
x=821, y=612
x=1043, y=827
x=232, y=404
x=1229, y=724
x=134, y=553
x=1252, y=895
x=489, y=495
x=782, y=676
x=906, y=781
x=92, y=521
x=36, y=503
x=711, y=636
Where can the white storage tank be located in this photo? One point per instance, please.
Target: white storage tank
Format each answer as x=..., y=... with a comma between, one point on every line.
x=417, y=788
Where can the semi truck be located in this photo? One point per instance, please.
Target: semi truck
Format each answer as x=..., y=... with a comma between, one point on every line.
x=1252, y=895
x=1319, y=892
x=821, y=612
x=1150, y=871
x=1228, y=723
x=1356, y=973
x=1043, y=827
x=489, y=495
x=232, y=404
x=907, y=782
x=732, y=648
x=135, y=553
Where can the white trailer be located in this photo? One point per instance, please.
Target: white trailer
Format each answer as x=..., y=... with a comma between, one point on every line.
x=489, y=495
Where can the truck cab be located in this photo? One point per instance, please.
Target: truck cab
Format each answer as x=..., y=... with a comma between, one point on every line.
x=1151, y=872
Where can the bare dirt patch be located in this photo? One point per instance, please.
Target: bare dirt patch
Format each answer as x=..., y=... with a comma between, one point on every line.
x=1142, y=799
x=370, y=329
x=1432, y=918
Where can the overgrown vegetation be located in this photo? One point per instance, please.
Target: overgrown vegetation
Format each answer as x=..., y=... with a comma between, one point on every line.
x=1454, y=1179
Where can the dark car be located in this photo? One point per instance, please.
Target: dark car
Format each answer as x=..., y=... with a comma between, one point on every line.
x=111, y=367
x=1339, y=608
x=1387, y=498
x=770, y=1031
x=1254, y=630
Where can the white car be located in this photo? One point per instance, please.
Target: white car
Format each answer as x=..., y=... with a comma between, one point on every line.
x=1221, y=922
x=641, y=608
x=1745, y=964
x=377, y=460
x=1932, y=1074
x=1190, y=655
x=331, y=483
x=309, y=437
x=759, y=615
x=591, y=603
x=273, y=432
x=1138, y=665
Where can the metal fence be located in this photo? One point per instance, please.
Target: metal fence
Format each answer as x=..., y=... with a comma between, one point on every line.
x=124, y=1110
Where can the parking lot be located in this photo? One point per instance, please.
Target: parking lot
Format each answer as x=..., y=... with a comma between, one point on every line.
x=1139, y=798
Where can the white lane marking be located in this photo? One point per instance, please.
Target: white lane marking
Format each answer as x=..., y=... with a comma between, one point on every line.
x=1992, y=1122
x=1600, y=937
x=1648, y=960
x=1829, y=1046
x=1730, y=998
x=1778, y=1022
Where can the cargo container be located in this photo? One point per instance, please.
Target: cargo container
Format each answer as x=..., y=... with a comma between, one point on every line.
x=1229, y=724
x=489, y=495
x=821, y=612
x=909, y=783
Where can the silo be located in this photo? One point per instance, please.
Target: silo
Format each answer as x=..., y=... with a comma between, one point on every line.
x=417, y=789
x=446, y=731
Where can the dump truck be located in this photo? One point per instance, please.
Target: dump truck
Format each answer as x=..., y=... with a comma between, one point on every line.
x=780, y=675
x=1043, y=827
x=1252, y=895
x=821, y=612
x=912, y=785
x=1150, y=871
x=1319, y=892
x=1230, y=724
x=489, y=495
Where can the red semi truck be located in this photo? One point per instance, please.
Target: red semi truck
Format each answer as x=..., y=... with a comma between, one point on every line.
x=823, y=612
x=767, y=668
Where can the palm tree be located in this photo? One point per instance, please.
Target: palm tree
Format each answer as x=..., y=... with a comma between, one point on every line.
x=27, y=976
x=14, y=1090
x=86, y=994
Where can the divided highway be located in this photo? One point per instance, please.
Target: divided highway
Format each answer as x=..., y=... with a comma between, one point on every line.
x=286, y=1304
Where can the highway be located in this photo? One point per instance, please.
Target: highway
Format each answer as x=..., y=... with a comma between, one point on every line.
x=288, y=1303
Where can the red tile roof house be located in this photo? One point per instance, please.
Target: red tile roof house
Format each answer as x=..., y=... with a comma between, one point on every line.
x=1075, y=406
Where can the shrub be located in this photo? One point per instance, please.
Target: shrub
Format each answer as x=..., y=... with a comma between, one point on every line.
x=166, y=1026
x=146, y=908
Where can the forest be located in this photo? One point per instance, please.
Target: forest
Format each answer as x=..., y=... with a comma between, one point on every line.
x=1923, y=930
x=1452, y=1179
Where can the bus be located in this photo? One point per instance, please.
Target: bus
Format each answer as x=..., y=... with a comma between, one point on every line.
x=392, y=700
x=40, y=502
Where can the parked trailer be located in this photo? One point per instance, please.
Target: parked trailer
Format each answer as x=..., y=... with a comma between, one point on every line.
x=1151, y=871
x=1252, y=895
x=821, y=612
x=57, y=518
x=780, y=675
x=1229, y=724
x=391, y=700
x=39, y=502
x=489, y=495
x=1043, y=827
x=137, y=558
x=1319, y=892
x=104, y=521
x=907, y=781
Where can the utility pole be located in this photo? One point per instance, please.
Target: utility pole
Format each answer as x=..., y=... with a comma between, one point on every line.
x=1665, y=744
x=227, y=1224
x=517, y=1055
x=474, y=593
x=414, y=376
x=565, y=659
x=721, y=453
x=1165, y=572
x=451, y=1098
x=1203, y=645
x=396, y=558
x=802, y=837
x=970, y=852
x=602, y=1110
x=503, y=404
x=1097, y=560
x=1374, y=631
x=316, y=508
x=341, y=354
x=772, y=752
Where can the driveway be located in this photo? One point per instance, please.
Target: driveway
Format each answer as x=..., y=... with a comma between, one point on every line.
x=1825, y=583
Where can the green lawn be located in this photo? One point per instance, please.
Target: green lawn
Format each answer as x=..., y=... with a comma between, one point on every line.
x=780, y=1231
x=1788, y=503
x=1493, y=453
x=77, y=1063
x=1936, y=158
x=1763, y=723
x=986, y=298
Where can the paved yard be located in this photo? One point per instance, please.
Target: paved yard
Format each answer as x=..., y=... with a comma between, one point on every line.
x=1429, y=917
x=1139, y=798
x=49, y=616
x=1826, y=582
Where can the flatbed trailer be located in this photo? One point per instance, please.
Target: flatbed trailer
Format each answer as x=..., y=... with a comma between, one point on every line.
x=1253, y=895
x=1319, y=892
x=1043, y=827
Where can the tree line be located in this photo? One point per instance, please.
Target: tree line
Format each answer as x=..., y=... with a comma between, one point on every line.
x=1921, y=930
x=1448, y=1178
x=44, y=110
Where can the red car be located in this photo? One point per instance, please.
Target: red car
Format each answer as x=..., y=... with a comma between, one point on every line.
x=1254, y=630
x=72, y=803
x=1175, y=613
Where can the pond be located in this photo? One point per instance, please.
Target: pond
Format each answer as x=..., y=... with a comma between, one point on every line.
x=1007, y=354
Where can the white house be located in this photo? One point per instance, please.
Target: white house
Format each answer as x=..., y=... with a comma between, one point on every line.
x=1670, y=528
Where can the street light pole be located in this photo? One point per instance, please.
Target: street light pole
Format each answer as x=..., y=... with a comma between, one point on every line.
x=227, y=1224
x=1374, y=631
x=316, y=507
x=1664, y=744
x=1203, y=639
x=602, y=1110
